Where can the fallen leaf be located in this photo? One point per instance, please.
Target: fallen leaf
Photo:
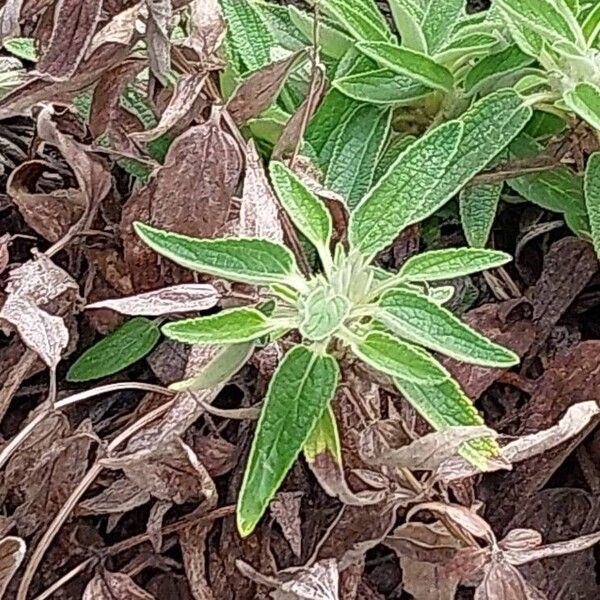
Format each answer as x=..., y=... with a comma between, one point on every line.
x=175, y=299
x=119, y=497
x=74, y=26
x=285, y=508
x=12, y=552
x=160, y=13
x=120, y=30
x=520, y=539
x=218, y=455
x=208, y=28
x=501, y=581
x=317, y=582
x=426, y=581
x=192, y=540
x=4, y=254
x=155, y=524
x=114, y=586
x=10, y=25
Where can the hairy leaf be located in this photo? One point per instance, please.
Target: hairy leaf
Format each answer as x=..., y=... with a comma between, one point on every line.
x=361, y=18
x=12, y=553
x=227, y=327
x=251, y=261
x=324, y=313
x=438, y=265
x=439, y=21
x=414, y=317
x=592, y=197
x=125, y=346
x=478, y=207
x=298, y=395
x=585, y=101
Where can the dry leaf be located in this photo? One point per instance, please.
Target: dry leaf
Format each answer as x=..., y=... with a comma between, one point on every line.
x=175, y=299
x=256, y=93
x=521, y=539
x=427, y=581
x=155, y=524
x=218, y=455
x=181, y=107
x=114, y=586
x=160, y=13
x=74, y=26
x=193, y=547
x=119, y=497
x=10, y=25
x=208, y=28
x=119, y=30
x=285, y=508
x=12, y=552
x=501, y=581
x=4, y=254
x=317, y=582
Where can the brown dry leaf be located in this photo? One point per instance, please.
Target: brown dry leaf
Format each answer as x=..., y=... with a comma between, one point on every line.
x=160, y=13
x=501, y=581
x=208, y=28
x=192, y=540
x=10, y=20
x=259, y=211
x=114, y=586
x=75, y=23
x=119, y=497
x=4, y=254
x=12, y=552
x=155, y=524
x=427, y=581
x=175, y=299
x=190, y=195
x=218, y=455
x=119, y=30
x=285, y=508
x=520, y=539
x=51, y=214
x=319, y=581
x=181, y=107
x=260, y=89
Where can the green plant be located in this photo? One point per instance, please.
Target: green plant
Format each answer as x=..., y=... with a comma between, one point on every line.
x=350, y=309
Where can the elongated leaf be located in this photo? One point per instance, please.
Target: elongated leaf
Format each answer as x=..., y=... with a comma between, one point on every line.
x=227, y=327
x=439, y=21
x=408, y=16
x=585, y=101
x=361, y=18
x=470, y=45
x=298, y=395
x=592, y=197
x=444, y=405
x=409, y=63
x=324, y=313
x=251, y=261
x=117, y=351
x=435, y=168
x=591, y=25
x=399, y=359
x=308, y=213
x=415, y=318
x=438, y=265
x=478, y=207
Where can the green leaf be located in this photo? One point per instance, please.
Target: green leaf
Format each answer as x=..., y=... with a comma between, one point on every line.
x=585, y=101
x=22, y=47
x=408, y=15
x=438, y=265
x=250, y=261
x=324, y=439
x=361, y=18
x=444, y=405
x=298, y=396
x=468, y=46
x=591, y=25
x=409, y=63
x=490, y=68
x=435, y=168
x=324, y=312
x=220, y=369
x=396, y=358
x=227, y=327
x=439, y=21
x=592, y=197
x=415, y=318
x=308, y=213
x=478, y=207
x=117, y=351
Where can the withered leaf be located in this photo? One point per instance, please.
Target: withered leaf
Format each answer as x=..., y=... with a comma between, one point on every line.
x=119, y=30
x=157, y=37
x=285, y=508
x=10, y=25
x=218, y=455
x=521, y=539
x=12, y=552
x=260, y=89
x=178, y=298
x=208, y=28
x=75, y=23
x=114, y=586
x=317, y=582
x=180, y=108
x=192, y=540
x=501, y=581
x=119, y=497
x=4, y=254
x=427, y=581
x=155, y=523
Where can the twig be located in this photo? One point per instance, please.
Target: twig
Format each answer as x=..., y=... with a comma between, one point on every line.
x=516, y=169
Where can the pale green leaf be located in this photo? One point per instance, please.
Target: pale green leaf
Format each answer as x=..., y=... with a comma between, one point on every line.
x=230, y=326
x=439, y=21
x=585, y=101
x=282, y=27
x=438, y=265
x=409, y=63
x=220, y=369
x=117, y=351
x=591, y=25
x=592, y=197
x=443, y=405
x=361, y=18
x=308, y=212
x=399, y=359
x=22, y=47
x=298, y=396
x=324, y=312
x=408, y=16
x=250, y=261
x=324, y=439
x=478, y=207
x=415, y=318
x=468, y=46
x=442, y=294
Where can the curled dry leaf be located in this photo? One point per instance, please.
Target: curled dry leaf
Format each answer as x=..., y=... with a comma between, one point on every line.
x=120, y=30
x=12, y=552
x=114, y=586
x=208, y=28
x=175, y=299
x=75, y=23
x=192, y=540
x=119, y=497
x=10, y=25
x=285, y=508
x=155, y=523
x=316, y=582
x=501, y=581
x=160, y=13
x=4, y=254
x=520, y=539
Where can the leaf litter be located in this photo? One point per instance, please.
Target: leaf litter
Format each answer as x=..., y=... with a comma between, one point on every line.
x=106, y=136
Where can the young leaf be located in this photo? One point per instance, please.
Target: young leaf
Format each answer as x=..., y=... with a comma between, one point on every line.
x=308, y=213
x=478, y=206
x=439, y=21
x=585, y=101
x=324, y=313
x=443, y=405
x=219, y=370
x=438, y=265
x=408, y=16
x=398, y=359
x=592, y=197
x=417, y=319
x=250, y=261
x=123, y=347
x=299, y=393
x=361, y=18
x=409, y=63
x=230, y=326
